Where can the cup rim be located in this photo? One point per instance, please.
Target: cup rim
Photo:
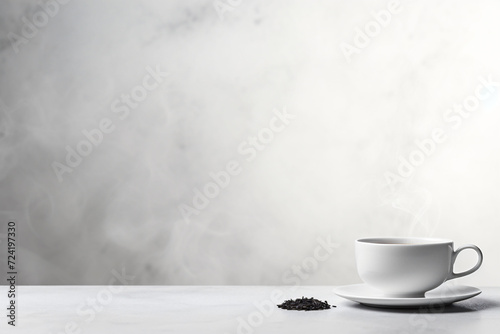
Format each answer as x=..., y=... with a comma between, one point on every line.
x=403, y=241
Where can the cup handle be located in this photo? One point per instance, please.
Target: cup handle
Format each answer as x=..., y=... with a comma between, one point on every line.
x=452, y=275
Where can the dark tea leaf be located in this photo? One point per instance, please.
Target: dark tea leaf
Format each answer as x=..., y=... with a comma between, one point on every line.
x=305, y=304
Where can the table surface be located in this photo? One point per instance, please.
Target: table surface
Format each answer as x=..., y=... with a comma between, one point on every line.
x=230, y=309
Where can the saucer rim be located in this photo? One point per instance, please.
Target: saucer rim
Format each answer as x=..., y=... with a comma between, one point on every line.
x=405, y=302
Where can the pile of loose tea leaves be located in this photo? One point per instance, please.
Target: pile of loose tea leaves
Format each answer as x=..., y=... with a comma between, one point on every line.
x=305, y=304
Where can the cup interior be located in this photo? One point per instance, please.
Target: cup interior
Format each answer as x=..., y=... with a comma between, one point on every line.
x=404, y=241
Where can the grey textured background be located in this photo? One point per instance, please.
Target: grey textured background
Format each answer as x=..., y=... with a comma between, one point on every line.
x=322, y=176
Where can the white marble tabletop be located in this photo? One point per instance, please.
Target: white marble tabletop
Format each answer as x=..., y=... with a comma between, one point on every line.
x=230, y=309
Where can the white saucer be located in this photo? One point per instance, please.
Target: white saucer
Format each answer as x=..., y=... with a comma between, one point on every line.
x=443, y=295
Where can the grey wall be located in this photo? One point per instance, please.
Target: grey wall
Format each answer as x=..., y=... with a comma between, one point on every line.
x=296, y=190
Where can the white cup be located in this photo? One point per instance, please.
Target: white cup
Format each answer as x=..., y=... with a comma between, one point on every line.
x=408, y=267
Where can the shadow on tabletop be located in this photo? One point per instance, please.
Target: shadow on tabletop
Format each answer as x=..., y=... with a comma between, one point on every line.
x=471, y=305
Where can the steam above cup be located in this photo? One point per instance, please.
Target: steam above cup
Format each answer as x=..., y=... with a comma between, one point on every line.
x=408, y=267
